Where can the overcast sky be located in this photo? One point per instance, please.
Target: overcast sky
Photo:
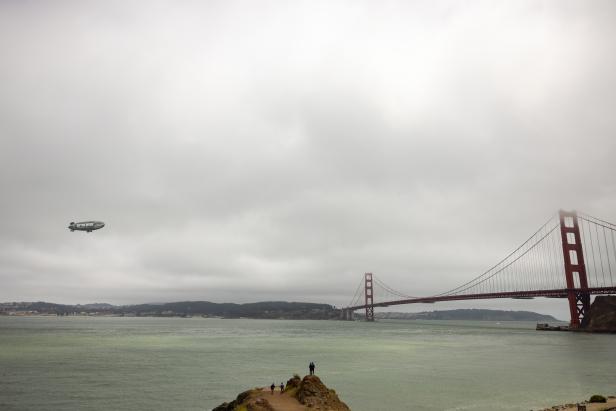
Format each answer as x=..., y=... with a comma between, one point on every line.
x=246, y=151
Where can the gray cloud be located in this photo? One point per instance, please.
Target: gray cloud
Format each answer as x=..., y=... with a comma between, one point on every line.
x=242, y=152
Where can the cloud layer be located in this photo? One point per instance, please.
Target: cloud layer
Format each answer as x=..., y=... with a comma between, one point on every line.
x=241, y=151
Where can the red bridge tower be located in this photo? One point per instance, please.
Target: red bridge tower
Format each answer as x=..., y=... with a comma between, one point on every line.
x=368, y=293
x=575, y=269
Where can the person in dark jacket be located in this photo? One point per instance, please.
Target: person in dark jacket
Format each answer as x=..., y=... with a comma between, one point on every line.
x=311, y=367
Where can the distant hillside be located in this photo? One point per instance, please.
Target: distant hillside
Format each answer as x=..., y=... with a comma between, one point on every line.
x=469, y=315
x=269, y=309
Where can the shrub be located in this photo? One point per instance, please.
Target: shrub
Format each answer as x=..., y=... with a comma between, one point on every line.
x=597, y=398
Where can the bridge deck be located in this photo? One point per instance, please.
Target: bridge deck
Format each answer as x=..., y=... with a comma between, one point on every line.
x=558, y=293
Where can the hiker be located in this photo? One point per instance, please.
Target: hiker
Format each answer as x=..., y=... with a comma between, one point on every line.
x=281, y=387
x=273, y=386
x=311, y=368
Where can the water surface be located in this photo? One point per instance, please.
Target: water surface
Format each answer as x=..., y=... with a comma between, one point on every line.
x=111, y=363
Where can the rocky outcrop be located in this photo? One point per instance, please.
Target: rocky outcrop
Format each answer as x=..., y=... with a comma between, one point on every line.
x=230, y=406
x=249, y=400
x=293, y=385
x=603, y=314
x=307, y=394
x=315, y=395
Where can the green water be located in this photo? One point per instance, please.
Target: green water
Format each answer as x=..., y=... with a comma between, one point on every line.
x=81, y=363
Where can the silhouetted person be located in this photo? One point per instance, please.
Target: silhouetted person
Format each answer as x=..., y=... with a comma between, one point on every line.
x=311, y=368
x=273, y=386
x=281, y=387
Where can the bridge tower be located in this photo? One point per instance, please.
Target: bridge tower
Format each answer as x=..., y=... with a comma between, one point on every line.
x=368, y=294
x=575, y=269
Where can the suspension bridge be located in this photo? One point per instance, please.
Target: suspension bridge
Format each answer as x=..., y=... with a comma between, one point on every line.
x=572, y=256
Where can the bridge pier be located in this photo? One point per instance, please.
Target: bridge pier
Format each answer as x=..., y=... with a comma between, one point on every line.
x=346, y=314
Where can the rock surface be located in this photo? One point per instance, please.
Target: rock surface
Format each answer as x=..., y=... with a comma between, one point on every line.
x=315, y=395
x=305, y=394
x=603, y=314
x=230, y=406
x=251, y=400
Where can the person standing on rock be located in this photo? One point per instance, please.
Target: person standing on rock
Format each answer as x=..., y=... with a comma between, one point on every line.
x=311, y=368
x=281, y=388
x=273, y=387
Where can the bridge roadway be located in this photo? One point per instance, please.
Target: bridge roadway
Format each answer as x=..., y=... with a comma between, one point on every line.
x=557, y=293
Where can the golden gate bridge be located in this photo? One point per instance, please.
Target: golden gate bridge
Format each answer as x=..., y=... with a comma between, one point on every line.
x=572, y=256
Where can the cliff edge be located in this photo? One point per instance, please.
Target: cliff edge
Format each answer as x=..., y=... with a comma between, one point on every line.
x=311, y=392
x=602, y=314
x=307, y=394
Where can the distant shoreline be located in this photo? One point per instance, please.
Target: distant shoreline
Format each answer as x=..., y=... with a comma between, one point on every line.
x=260, y=310
x=471, y=314
x=179, y=317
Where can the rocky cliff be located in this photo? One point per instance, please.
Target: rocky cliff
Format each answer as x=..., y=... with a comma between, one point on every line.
x=603, y=314
x=305, y=394
x=312, y=393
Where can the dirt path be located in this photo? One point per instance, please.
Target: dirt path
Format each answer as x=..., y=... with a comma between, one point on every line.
x=281, y=402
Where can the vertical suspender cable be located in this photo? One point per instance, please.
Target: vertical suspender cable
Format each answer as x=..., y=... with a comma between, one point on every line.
x=607, y=253
x=614, y=246
x=513, y=278
x=521, y=277
x=585, y=248
x=540, y=268
x=531, y=270
x=524, y=278
x=503, y=280
x=560, y=258
x=552, y=277
x=528, y=268
x=556, y=267
x=592, y=250
x=544, y=267
x=600, y=253
x=555, y=263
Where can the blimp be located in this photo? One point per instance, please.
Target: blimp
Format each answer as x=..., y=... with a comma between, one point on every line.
x=88, y=226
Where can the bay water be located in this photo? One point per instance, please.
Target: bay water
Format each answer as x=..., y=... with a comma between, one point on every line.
x=123, y=363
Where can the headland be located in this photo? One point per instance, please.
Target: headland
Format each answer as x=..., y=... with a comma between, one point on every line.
x=299, y=394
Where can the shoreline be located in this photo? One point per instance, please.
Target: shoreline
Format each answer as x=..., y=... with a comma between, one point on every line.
x=609, y=405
